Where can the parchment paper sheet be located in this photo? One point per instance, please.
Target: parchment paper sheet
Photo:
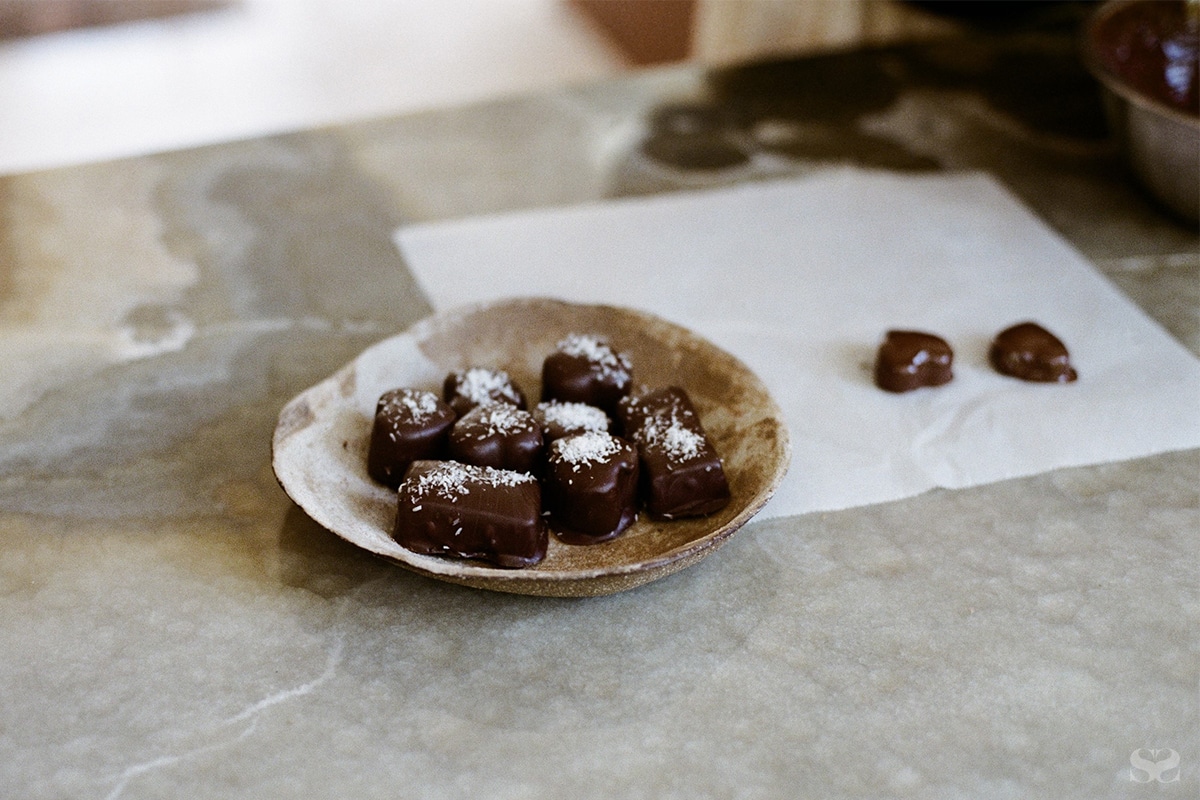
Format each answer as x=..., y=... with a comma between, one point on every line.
x=801, y=278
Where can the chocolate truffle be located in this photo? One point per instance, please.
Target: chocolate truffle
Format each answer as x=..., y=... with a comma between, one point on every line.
x=908, y=360
x=497, y=435
x=563, y=419
x=591, y=486
x=1030, y=352
x=409, y=425
x=465, y=389
x=453, y=509
x=586, y=369
x=681, y=473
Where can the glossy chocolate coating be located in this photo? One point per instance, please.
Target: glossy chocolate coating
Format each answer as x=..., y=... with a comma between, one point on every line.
x=591, y=487
x=464, y=389
x=1030, y=352
x=586, y=369
x=908, y=360
x=497, y=435
x=452, y=509
x=564, y=419
x=681, y=473
x=409, y=425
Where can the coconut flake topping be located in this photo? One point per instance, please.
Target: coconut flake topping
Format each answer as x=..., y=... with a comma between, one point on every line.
x=598, y=351
x=410, y=404
x=483, y=386
x=500, y=419
x=681, y=442
x=585, y=448
x=574, y=417
x=673, y=435
x=449, y=479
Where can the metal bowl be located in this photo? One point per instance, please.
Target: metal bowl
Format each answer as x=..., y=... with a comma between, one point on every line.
x=1160, y=143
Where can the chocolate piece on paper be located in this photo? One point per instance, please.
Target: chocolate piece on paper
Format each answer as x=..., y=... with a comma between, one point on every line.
x=909, y=360
x=452, y=509
x=1030, y=352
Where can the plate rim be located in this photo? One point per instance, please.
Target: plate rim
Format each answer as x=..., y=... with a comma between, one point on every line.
x=298, y=414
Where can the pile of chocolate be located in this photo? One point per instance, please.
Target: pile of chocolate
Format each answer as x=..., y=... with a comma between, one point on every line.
x=479, y=474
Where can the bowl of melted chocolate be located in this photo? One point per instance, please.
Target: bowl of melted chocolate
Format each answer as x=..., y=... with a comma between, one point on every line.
x=1146, y=56
x=725, y=419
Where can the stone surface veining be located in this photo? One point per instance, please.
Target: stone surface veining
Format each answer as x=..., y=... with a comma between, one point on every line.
x=234, y=246
x=173, y=625
x=930, y=647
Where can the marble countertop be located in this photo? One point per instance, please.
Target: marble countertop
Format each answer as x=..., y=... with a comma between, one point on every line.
x=173, y=625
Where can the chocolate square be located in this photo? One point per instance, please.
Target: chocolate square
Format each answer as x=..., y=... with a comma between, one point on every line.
x=453, y=509
x=409, y=425
x=591, y=486
x=586, y=369
x=497, y=435
x=682, y=474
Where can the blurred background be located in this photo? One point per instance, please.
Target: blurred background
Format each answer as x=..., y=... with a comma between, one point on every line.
x=85, y=80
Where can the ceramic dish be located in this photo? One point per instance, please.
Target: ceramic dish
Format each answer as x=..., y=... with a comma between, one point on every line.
x=320, y=442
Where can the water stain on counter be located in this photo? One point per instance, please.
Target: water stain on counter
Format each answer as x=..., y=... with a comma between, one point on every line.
x=292, y=272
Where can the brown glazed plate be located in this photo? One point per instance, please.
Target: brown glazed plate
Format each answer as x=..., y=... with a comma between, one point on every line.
x=320, y=442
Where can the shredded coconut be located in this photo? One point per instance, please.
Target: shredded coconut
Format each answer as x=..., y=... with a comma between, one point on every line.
x=668, y=431
x=574, y=417
x=410, y=404
x=500, y=419
x=449, y=480
x=484, y=386
x=598, y=351
x=680, y=442
x=585, y=448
